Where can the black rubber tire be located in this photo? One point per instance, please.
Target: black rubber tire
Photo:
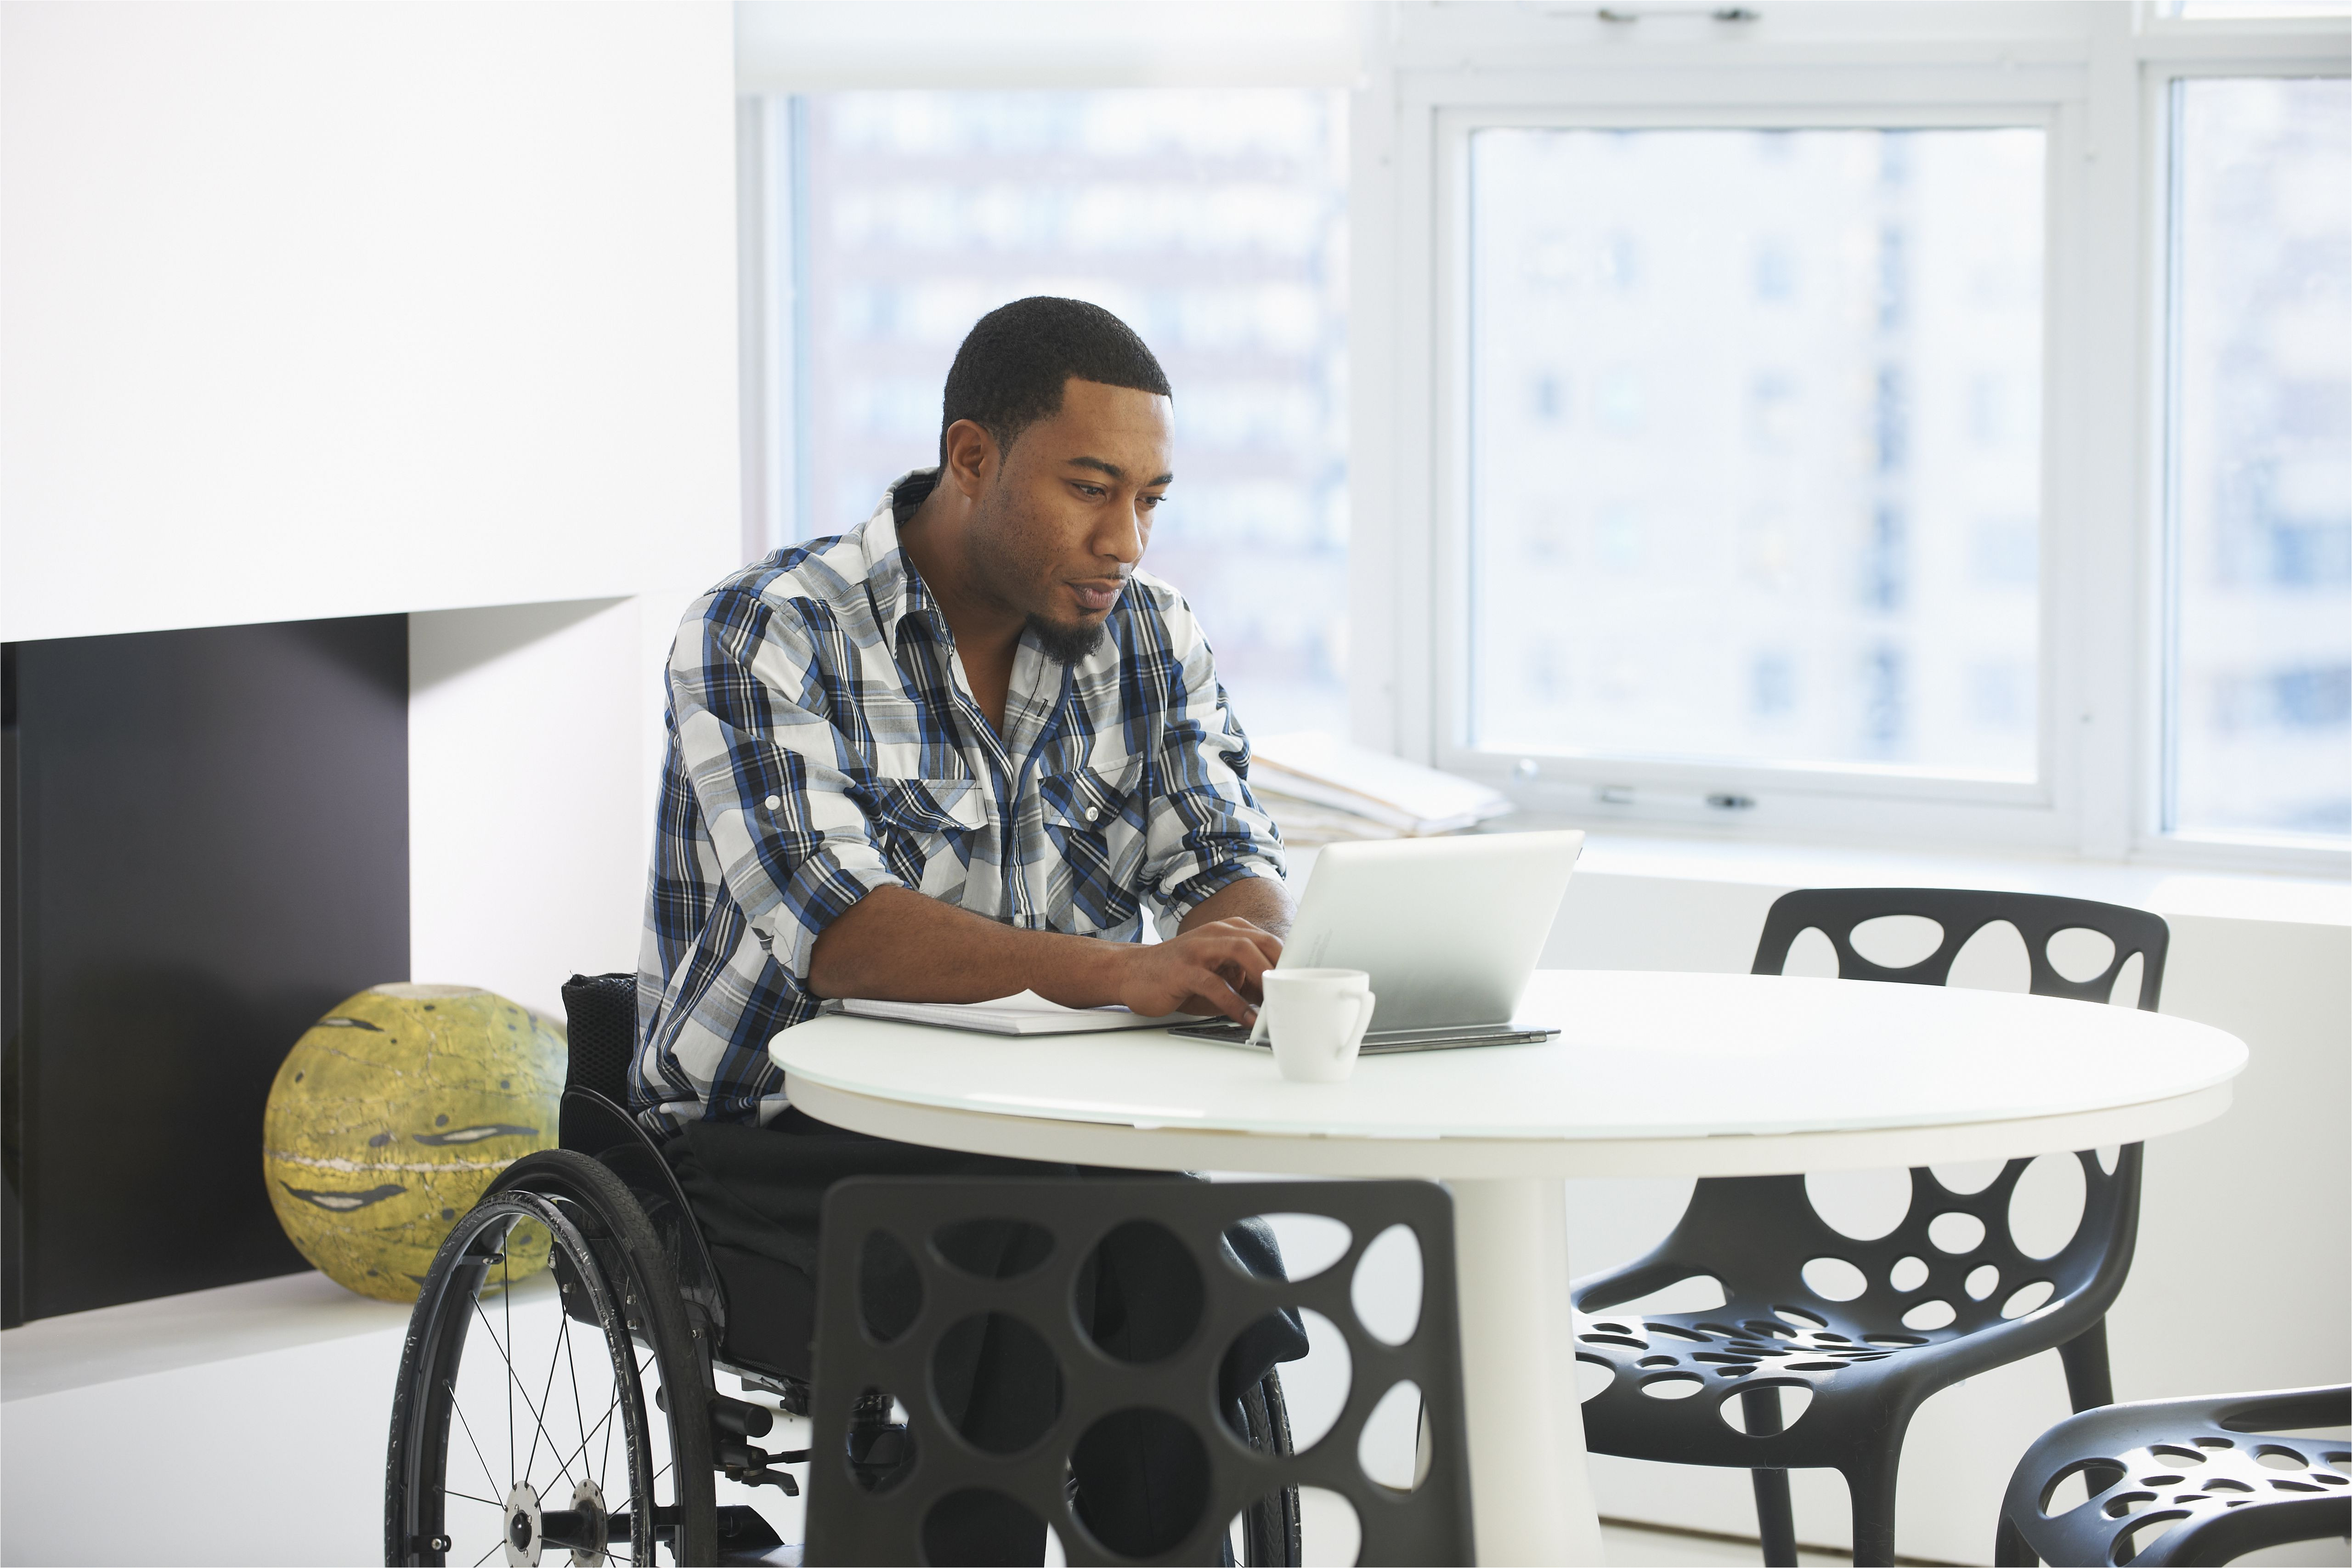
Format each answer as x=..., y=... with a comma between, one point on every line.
x=1270, y=1525
x=611, y=1252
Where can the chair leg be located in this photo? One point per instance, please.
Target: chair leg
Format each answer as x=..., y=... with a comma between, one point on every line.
x=2010, y=1549
x=1775, y=1520
x=2089, y=1385
x=1760, y=1410
x=1869, y=1485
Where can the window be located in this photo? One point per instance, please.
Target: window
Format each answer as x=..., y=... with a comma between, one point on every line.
x=1755, y=467
x=1928, y=425
x=2259, y=473
x=1214, y=221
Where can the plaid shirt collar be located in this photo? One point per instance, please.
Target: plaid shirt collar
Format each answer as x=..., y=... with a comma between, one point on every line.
x=897, y=590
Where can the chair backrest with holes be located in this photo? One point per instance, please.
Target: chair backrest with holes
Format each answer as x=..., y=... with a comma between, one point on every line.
x=2185, y=1481
x=1721, y=1225
x=1963, y=913
x=1756, y=1234
x=858, y=1517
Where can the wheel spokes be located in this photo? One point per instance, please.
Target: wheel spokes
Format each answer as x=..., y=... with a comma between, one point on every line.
x=605, y=1423
x=515, y=1381
x=629, y=1367
x=468, y=1427
x=563, y=1322
x=506, y=1352
x=579, y=1414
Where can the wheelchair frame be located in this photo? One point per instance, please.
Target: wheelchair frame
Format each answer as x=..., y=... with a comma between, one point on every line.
x=630, y=1262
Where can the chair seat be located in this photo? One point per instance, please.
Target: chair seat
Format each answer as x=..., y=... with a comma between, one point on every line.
x=1857, y=1360
x=2182, y=1481
x=1675, y=1371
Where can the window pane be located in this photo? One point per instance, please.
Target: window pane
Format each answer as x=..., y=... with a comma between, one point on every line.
x=1214, y=223
x=1756, y=445
x=2262, y=460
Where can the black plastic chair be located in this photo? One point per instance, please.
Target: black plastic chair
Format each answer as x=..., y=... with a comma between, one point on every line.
x=2213, y=1476
x=1681, y=1376
x=889, y=1454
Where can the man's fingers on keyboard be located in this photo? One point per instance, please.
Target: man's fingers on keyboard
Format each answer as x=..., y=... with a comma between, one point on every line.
x=1222, y=999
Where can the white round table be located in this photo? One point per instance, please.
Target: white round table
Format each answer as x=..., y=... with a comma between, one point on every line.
x=1652, y=1074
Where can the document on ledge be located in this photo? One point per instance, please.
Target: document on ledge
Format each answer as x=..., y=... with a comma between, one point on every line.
x=1026, y=1013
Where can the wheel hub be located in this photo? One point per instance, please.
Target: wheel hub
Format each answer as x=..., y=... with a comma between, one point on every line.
x=588, y=1542
x=522, y=1540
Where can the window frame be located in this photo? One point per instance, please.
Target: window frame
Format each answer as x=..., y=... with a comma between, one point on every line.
x=2103, y=554
x=2157, y=756
x=1799, y=799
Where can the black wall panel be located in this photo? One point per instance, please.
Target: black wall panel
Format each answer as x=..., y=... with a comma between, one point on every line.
x=207, y=847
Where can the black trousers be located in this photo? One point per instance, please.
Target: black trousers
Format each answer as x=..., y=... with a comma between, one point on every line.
x=757, y=1193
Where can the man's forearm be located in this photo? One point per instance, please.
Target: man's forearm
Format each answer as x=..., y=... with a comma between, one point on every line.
x=1263, y=901
x=897, y=945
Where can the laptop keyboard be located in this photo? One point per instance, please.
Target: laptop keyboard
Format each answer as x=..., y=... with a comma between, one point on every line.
x=1225, y=1031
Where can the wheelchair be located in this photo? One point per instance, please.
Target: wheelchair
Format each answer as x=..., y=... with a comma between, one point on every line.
x=599, y=1430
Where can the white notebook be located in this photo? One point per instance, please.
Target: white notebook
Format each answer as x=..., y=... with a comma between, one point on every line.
x=1026, y=1013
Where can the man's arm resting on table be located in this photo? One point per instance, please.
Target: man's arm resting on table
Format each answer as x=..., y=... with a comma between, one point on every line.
x=1263, y=901
x=896, y=945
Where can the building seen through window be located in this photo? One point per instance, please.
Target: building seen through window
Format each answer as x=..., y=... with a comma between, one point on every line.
x=2260, y=718
x=1755, y=462
x=1214, y=223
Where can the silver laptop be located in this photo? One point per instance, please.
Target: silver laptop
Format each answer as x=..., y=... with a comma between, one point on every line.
x=1449, y=929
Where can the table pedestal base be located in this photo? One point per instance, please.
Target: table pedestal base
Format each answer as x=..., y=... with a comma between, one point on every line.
x=1531, y=1502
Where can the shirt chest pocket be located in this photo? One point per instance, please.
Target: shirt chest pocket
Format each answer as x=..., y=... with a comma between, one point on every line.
x=1095, y=819
x=925, y=828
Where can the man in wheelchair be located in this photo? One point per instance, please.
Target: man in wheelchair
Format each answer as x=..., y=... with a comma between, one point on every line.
x=965, y=749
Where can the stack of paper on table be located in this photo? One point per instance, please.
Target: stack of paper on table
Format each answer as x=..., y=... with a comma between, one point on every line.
x=1320, y=789
x=1026, y=1013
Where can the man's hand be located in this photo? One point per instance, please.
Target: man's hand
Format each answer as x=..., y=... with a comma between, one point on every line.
x=1210, y=968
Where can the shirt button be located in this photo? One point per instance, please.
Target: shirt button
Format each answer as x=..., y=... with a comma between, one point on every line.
x=774, y=801
x=1092, y=813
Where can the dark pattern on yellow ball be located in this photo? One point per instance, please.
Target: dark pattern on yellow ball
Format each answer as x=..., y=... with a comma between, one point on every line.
x=391, y=1114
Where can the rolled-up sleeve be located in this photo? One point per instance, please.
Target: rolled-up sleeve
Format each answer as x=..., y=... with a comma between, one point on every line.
x=766, y=769
x=1205, y=829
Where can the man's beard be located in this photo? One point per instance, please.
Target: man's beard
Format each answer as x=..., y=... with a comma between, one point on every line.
x=1067, y=644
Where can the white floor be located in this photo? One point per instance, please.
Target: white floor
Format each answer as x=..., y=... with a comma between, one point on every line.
x=1639, y=1546
x=274, y=1398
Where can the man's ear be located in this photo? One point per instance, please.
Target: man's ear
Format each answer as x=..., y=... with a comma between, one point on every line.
x=972, y=459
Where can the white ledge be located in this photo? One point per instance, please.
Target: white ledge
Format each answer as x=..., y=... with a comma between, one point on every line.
x=137, y=1339
x=2167, y=890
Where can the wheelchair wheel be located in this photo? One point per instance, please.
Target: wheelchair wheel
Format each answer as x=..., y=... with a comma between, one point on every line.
x=1270, y=1525
x=531, y=1423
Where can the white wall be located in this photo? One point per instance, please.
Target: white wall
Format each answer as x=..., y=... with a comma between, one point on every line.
x=339, y=309
x=534, y=746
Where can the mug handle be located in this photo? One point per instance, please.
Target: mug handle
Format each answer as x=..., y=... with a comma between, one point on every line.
x=1363, y=1001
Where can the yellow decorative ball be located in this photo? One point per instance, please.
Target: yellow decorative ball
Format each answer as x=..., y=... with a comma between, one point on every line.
x=390, y=1116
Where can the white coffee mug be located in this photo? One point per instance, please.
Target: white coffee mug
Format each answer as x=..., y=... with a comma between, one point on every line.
x=1317, y=1019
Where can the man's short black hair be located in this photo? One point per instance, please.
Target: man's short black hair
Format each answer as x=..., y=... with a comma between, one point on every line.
x=1009, y=372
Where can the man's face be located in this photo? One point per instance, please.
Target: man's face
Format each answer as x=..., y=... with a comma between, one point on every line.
x=1066, y=513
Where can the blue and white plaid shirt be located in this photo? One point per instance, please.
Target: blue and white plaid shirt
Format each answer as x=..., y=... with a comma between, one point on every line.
x=824, y=743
